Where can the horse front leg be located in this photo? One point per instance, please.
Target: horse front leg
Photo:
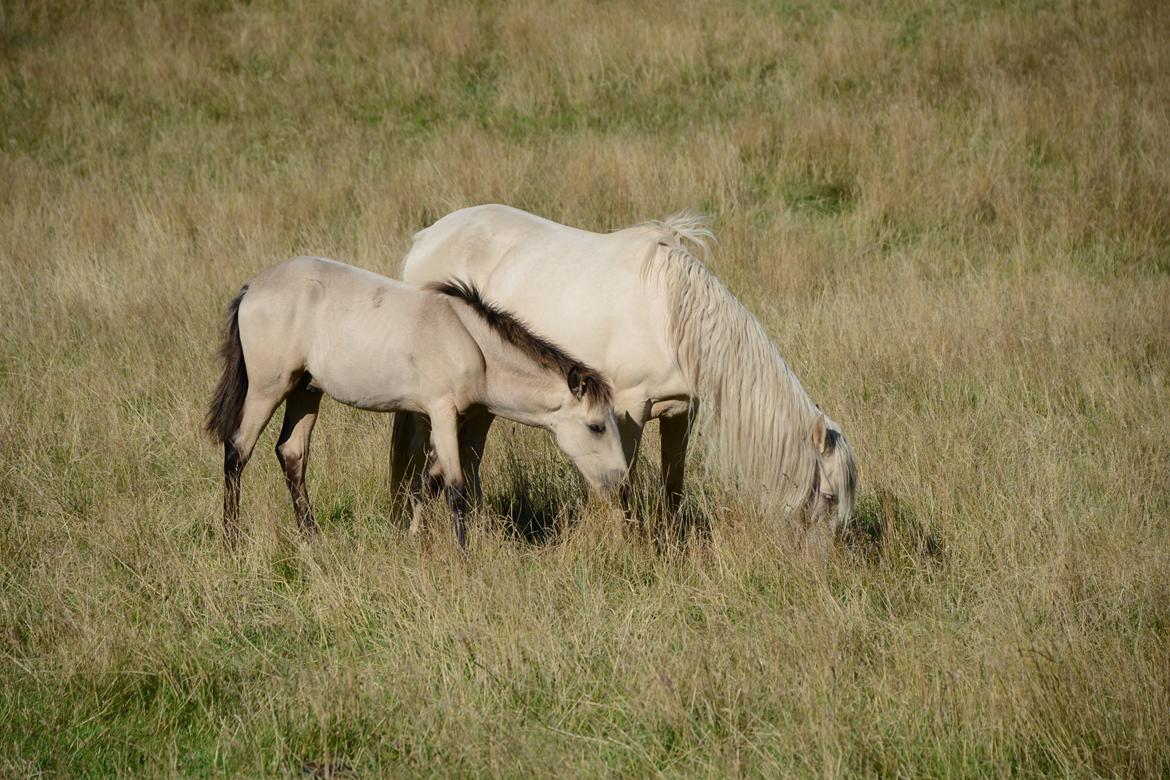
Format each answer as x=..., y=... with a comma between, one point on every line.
x=473, y=432
x=457, y=502
x=631, y=432
x=445, y=440
x=676, y=432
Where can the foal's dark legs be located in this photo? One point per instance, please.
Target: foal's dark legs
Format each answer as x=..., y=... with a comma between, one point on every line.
x=473, y=432
x=237, y=450
x=457, y=502
x=292, y=450
x=233, y=467
x=445, y=440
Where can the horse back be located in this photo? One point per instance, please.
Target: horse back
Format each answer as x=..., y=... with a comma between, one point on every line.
x=368, y=340
x=584, y=290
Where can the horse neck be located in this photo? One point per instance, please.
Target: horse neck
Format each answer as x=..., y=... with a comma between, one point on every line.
x=762, y=414
x=515, y=387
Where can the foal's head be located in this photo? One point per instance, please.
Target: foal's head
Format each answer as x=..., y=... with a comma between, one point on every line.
x=582, y=418
x=587, y=430
x=836, y=475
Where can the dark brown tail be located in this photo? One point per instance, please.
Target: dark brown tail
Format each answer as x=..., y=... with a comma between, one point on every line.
x=223, y=418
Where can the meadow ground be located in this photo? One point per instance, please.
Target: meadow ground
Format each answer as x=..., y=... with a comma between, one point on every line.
x=953, y=217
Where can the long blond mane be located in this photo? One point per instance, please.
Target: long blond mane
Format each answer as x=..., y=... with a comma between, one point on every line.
x=761, y=415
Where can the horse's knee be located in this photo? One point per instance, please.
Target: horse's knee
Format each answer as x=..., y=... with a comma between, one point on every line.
x=290, y=456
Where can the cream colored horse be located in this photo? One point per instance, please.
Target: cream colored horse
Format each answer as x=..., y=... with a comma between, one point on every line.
x=638, y=304
x=310, y=326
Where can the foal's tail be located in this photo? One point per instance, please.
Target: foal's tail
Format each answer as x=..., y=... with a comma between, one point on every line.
x=227, y=405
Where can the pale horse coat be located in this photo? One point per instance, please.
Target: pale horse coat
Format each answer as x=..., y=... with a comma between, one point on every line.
x=640, y=306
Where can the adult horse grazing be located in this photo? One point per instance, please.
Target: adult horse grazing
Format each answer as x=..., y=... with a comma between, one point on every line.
x=310, y=326
x=638, y=304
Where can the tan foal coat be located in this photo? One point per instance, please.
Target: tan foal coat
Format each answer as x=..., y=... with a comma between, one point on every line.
x=311, y=326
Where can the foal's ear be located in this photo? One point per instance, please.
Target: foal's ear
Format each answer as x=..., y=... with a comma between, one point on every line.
x=576, y=382
x=820, y=434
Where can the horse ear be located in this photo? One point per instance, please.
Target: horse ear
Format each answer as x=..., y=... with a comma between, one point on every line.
x=576, y=383
x=820, y=434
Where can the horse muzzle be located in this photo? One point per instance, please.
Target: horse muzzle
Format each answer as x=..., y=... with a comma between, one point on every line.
x=609, y=482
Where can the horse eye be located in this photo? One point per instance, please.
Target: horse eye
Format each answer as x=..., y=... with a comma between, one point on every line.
x=597, y=427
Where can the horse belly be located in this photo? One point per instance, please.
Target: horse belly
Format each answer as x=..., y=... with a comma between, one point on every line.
x=378, y=386
x=364, y=364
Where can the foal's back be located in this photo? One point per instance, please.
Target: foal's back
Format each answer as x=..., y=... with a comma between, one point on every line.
x=367, y=340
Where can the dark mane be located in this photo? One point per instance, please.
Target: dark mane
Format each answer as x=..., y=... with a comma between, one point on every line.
x=512, y=329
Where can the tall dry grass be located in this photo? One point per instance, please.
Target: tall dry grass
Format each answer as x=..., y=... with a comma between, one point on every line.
x=954, y=219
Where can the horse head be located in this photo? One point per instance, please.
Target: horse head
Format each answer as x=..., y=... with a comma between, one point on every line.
x=833, y=488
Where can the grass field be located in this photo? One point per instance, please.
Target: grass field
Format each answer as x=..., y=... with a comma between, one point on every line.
x=954, y=219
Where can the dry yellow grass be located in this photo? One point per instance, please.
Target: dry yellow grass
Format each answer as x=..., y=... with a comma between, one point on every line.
x=954, y=218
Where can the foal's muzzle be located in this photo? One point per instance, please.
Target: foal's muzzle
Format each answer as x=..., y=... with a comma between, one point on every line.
x=610, y=481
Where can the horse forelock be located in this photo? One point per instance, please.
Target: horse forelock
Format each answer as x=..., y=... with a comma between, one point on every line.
x=513, y=330
x=762, y=415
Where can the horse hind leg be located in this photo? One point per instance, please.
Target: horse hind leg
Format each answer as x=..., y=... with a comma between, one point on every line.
x=292, y=449
x=413, y=471
x=237, y=450
x=407, y=460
